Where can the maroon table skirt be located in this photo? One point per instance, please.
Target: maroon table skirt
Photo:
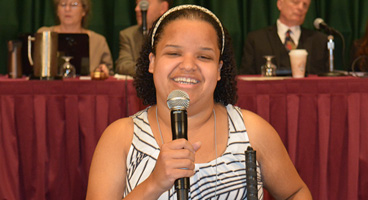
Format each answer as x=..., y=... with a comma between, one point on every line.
x=49, y=130
x=323, y=122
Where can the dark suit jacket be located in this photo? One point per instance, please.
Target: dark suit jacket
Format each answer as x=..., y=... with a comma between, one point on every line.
x=267, y=42
x=131, y=41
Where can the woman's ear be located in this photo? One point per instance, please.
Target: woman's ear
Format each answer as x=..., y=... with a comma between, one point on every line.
x=164, y=7
x=219, y=70
x=151, y=66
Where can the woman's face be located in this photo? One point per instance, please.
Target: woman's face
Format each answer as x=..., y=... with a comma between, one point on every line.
x=70, y=12
x=187, y=58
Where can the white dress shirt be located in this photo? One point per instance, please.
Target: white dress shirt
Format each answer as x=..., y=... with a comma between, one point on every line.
x=294, y=34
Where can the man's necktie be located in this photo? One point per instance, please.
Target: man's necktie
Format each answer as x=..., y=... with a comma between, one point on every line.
x=289, y=43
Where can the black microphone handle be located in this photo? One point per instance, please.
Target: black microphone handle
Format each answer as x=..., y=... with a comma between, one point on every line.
x=182, y=194
x=251, y=173
x=144, y=22
x=179, y=128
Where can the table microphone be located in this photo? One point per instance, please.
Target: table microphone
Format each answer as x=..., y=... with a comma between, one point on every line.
x=319, y=23
x=178, y=102
x=251, y=173
x=143, y=5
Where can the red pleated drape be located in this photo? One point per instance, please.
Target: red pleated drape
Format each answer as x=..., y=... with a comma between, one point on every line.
x=323, y=124
x=49, y=129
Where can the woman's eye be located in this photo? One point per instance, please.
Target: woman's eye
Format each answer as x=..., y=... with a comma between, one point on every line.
x=205, y=57
x=173, y=53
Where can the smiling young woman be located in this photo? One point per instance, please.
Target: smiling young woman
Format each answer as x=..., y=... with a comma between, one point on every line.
x=136, y=157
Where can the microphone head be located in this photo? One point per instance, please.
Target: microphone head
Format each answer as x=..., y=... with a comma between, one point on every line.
x=178, y=100
x=317, y=23
x=143, y=5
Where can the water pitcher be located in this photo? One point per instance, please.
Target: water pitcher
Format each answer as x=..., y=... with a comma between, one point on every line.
x=44, y=61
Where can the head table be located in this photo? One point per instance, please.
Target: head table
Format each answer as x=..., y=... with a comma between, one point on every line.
x=49, y=130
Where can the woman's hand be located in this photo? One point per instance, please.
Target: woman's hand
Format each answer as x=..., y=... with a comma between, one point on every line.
x=176, y=160
x=103, y=68
x=100, y=73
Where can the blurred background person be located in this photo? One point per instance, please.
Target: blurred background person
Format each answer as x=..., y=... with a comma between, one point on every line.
x=131, y=38
x=73, y=18
x=359, y=52
x=279, y=39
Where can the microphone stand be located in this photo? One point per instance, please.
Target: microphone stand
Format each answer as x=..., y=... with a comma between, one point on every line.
x=143, y=5
x=144, y=22
x=331, y=47
x=251, y=174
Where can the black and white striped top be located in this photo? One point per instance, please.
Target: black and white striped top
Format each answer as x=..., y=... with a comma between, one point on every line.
x=230, y=170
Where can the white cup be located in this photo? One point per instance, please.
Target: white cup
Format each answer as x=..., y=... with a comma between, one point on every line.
x=298, y=61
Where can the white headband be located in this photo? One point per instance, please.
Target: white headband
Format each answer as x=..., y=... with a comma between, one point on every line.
x=182, y=7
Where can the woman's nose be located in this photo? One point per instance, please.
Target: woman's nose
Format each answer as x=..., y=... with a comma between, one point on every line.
x=188, y=63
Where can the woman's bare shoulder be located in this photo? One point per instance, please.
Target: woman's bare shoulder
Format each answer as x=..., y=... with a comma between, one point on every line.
x=120, y=131
x=115, y=141
x=255, y=124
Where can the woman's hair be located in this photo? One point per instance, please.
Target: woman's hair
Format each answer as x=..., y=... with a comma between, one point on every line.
x=225, y=91
x=86, y=4
x=362, y=49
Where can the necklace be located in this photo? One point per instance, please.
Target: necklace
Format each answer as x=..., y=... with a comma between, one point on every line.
x=214, y=116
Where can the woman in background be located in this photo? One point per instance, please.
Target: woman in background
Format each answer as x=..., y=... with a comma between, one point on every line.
x=359, y=52
x=73, y=16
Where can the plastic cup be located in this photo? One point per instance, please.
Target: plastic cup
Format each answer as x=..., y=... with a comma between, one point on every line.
x=298, y=61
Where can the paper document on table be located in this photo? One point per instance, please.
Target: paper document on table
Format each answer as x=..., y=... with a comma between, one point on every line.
x=263, y=78
x=123, y=77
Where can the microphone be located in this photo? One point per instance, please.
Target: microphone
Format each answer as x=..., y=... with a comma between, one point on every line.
x=178, y=102
x=320, y=24
x=143, y=5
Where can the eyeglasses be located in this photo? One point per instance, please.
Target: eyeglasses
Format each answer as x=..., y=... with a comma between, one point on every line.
x=72, y=5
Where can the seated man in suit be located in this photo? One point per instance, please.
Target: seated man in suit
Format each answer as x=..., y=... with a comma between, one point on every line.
x=272, y=40
x=131, y=38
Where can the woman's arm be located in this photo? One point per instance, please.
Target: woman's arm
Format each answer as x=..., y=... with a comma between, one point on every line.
x=278, y=172
x=108, y=167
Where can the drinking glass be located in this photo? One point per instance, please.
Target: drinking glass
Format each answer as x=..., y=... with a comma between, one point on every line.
x=268, y=69
x=67, y=70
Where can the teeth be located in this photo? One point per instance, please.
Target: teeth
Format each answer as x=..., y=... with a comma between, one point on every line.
x=184, y=80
